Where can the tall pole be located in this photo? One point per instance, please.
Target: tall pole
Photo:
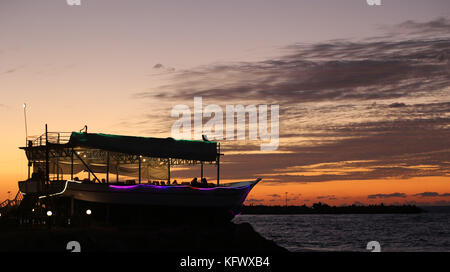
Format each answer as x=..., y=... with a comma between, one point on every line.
x=26, y=126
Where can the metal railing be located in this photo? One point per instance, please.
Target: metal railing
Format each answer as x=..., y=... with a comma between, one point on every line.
x=53, y=138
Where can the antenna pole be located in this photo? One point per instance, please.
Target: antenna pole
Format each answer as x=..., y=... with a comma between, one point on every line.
x=26, y=127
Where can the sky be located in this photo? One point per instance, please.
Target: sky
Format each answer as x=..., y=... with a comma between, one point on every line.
x=363, y=90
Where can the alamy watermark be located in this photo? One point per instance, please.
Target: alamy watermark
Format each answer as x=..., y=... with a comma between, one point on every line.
x=73, y=2
x=373, y=246
x=73, y=246
x=258, y=128
x=374, y=2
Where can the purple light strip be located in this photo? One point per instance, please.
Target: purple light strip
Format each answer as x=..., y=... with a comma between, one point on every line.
x=172, y=186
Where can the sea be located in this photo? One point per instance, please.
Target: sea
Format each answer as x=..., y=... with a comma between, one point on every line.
x=422, y=232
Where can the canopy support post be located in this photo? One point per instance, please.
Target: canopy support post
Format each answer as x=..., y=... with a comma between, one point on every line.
x=71, y=165
x=107, y=167
x=168, y=170
x=47, y=163
x=201, y=170
x=140, y=169
x=30, y=163
x=117, y=171
x=57, y=167
x=218, y=166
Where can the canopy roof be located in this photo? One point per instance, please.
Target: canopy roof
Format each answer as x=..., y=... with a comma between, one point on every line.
x=146, y=146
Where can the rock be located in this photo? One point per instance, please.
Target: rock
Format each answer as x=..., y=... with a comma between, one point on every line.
x=228, y=237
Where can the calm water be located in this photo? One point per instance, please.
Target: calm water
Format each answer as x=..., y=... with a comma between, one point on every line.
x=349, y=232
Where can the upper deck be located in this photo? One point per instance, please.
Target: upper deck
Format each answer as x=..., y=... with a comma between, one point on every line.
x=69, y=153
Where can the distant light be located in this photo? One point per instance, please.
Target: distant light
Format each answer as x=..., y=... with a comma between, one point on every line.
x=0, y=214
x=78, y=153
x=88, y=212
x=84, y=156
x=49, y=213
x=143, y=160
x=32, y=210
x=24, y=105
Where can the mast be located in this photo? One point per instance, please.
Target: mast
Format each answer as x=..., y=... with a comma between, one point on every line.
x=26, y=135
x=26, y=127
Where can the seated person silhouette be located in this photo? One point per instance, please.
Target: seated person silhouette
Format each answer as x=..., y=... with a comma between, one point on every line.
x=174, y=182
x=194, y=182
x=204, y=182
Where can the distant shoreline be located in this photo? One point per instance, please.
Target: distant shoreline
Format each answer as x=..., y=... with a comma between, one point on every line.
x=320, y=208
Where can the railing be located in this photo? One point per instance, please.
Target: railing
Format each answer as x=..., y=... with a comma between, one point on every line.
x=53, y=138
x=8, y=203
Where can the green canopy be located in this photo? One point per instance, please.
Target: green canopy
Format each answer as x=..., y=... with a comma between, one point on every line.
x=147, y=146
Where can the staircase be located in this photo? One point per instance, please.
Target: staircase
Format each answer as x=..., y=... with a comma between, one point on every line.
x=9, y=204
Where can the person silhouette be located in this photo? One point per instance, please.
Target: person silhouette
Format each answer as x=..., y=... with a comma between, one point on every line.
x=194, y=182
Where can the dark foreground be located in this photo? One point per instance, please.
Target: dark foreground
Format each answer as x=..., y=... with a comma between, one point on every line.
x=157, y=238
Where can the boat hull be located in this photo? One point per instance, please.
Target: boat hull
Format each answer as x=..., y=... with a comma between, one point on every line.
x=180, y=199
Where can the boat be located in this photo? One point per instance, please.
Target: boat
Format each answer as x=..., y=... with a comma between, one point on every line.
x=126, y=174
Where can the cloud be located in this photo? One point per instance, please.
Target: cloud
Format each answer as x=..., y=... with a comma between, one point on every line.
x=387, y=195
x=163, y=68
x=331, y=197
x=439, y=25
x=432, y=194
x=254, y=200
x=349, y=110
x=427, y=194
x=343, y=71
x=397, y=105
x=10, y=70
x=274, y=195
